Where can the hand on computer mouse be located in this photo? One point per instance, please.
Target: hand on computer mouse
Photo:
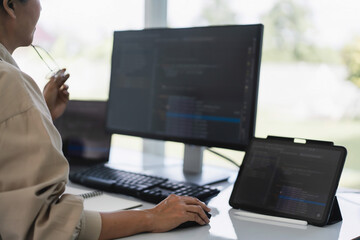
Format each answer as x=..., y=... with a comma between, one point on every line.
x=175, y=210
x=192, y=223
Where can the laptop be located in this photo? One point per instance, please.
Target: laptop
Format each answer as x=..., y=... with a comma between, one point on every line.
x=83, y=131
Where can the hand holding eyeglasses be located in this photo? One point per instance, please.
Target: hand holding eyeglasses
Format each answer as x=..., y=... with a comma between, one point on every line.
x=56, y=93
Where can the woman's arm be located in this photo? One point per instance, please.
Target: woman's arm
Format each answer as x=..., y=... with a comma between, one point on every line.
x=167, y=215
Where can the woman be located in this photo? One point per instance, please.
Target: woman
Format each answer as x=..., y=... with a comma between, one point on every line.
x=33, y=170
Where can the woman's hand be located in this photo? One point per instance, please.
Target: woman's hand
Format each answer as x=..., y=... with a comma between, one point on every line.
x=168, y=214
x=56, y=93
x=175, y=210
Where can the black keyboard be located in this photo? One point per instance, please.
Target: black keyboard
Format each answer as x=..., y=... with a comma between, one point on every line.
x=146, y=187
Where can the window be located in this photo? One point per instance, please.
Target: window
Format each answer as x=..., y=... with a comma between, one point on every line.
x=310, y=74
x=309, y=81
x=78, y=35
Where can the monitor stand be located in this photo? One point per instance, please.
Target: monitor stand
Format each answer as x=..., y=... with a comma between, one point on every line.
x=193, y=169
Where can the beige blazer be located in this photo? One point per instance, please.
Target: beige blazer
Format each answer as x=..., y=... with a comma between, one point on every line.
x=33, y=169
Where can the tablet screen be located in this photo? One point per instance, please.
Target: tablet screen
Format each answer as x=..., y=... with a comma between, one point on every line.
x=289, y=179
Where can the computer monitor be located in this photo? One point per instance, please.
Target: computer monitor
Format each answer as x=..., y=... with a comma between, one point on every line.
x=83, y=132
x=197, y=86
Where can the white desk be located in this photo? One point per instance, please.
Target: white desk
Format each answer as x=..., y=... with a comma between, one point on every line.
x=225, y=225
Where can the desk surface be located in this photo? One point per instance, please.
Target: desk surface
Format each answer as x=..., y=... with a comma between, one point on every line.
x=226, y=225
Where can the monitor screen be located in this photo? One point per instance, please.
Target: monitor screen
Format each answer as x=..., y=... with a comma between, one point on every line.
x=82, y=129
x=195, y=85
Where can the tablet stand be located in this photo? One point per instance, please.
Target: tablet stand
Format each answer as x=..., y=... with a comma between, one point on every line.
x=335, y=214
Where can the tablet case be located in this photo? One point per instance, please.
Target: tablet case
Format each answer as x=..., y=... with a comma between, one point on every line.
x=334, y=213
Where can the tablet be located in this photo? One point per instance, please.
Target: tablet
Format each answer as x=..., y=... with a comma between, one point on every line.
x=283, y=178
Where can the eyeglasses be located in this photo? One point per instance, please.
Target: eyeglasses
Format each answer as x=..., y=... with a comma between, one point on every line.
x=51, y=64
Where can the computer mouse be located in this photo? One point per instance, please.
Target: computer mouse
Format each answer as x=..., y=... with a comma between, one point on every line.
x=192, y=223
